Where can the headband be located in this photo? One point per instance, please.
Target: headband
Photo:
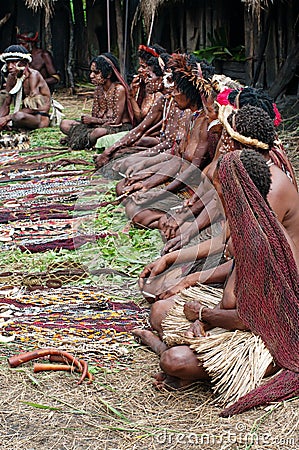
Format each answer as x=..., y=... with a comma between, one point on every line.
x=26, y=38
x=222, y=99
x=15, y=56
x=224, y=112
x=148, y=50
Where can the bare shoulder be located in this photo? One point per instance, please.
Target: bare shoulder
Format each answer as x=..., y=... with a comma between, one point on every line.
x=120, y=88
x=281, y=183
x=33, y=73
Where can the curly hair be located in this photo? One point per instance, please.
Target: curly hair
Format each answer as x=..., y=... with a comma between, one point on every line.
x=146, y=52
x=254, y=122
x=103, y=65
x=253, y=97
x=258, y=170
x=153, y=63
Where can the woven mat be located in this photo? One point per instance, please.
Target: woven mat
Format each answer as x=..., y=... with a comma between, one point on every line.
x=85, y=322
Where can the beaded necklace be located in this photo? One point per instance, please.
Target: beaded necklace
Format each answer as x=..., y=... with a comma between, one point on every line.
x=105, y=103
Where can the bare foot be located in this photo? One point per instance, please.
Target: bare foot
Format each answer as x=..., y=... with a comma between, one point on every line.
x=150, y=339
x=164, y=381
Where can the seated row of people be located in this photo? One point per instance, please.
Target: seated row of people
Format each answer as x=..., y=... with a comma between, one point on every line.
x=238, y=210
x=201, y=161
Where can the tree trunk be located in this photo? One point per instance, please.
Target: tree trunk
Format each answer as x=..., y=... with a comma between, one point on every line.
x=120, y=35
x=286, y=73
x=80, y=36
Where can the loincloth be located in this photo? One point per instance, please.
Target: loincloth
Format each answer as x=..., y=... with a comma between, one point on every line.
x=236, y=361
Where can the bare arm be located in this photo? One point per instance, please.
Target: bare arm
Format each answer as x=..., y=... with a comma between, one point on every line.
x=5, y=117
x=135, y=134
x=189, y=254
x=49, y=65
x=208, y=215
x=218, y=274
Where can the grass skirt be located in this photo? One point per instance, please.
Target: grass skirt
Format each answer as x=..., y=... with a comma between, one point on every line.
x=235, y=360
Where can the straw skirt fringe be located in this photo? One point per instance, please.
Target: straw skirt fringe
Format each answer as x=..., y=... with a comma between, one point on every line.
x=235, y=360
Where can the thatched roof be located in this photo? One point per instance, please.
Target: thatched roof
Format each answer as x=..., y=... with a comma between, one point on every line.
x=47, y=5
x=149, y=8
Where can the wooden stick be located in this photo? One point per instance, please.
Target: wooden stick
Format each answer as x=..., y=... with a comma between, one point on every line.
x=39, y=367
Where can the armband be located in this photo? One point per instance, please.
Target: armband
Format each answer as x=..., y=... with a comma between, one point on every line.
x=55, y=75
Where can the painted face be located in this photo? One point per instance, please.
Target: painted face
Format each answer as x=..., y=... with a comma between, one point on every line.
x=15, y=66
x=180, y=98
x=167, y=80
x=95, y=75
x=153, y=82
x=142, y=69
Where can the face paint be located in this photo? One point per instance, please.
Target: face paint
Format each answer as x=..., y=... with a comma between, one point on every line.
x=96, y=76
x=167, y=80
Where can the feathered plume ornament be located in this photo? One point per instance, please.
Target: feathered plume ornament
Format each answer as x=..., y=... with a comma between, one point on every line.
x=186, y=70
x=34, y=102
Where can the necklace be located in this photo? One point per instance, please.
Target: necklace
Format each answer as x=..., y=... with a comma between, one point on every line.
x=166, y=109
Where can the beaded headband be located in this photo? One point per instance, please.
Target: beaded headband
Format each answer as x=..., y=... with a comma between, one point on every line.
x=224, y=112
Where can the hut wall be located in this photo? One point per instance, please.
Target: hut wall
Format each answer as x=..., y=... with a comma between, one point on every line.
x=197, y=24
x=191, y=23
x=184, y=25
x=269, y=39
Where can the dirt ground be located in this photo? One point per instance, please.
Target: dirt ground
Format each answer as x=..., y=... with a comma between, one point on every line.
x=121, y=410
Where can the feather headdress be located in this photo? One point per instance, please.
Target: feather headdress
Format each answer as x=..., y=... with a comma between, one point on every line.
x=186, y=70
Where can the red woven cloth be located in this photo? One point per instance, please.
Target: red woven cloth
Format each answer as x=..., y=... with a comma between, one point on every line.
x=267, y=288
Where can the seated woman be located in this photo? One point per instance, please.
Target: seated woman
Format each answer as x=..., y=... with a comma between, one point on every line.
x=176, y=226
x=137, y=90
x=111, y=110
x=261, y=295
x=195, y=150
x=152, y=79
x=148, y=133
x=179, y=269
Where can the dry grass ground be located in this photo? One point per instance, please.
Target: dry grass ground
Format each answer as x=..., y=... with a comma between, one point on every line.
x=122, y=411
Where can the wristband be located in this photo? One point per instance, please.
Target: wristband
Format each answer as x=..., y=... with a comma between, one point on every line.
x=200, y=313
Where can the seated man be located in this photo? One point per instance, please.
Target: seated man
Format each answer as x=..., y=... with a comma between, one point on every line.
x=111, y=110
x=27, y=89
x=42, y=60
x=261, y=296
